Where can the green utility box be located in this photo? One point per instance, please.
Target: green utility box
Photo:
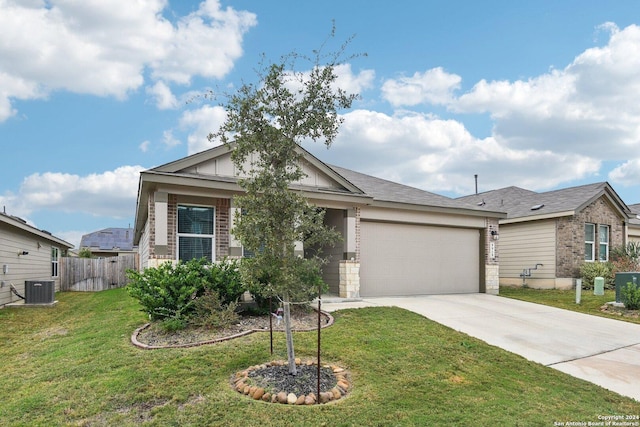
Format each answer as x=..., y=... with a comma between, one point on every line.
x=622, y=279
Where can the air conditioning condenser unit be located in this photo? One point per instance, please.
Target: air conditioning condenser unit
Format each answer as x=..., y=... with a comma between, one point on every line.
x=39, y=291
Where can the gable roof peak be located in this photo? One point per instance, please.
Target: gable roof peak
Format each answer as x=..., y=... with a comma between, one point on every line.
x=519, y=202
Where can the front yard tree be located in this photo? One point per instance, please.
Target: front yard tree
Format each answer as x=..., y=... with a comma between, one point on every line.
x=264, y=124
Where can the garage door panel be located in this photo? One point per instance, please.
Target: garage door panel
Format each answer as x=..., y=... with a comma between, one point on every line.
x=403, y=259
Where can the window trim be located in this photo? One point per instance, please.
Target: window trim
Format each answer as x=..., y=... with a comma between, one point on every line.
x=211, y=236
x=591, y=242
x=605, y=244
x=55, y=262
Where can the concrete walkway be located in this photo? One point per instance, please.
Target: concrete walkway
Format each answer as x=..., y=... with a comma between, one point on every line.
x=603, y=351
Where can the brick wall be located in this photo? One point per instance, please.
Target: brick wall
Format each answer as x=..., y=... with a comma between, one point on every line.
x=222, y=227
x=570, y=235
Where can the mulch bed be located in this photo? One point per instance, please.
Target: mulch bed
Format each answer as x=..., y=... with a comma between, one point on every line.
x=270, y=382
x=152, y=336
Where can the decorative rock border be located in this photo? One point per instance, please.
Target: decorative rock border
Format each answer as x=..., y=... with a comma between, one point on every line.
x=240, y=382
x=134, y=336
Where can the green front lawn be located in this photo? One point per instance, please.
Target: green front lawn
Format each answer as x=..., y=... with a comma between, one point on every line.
x=589, y=303
x=74, y=365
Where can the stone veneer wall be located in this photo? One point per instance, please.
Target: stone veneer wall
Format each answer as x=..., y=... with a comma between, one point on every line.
x=570, y=235
x=491, y=264
x=349, y=279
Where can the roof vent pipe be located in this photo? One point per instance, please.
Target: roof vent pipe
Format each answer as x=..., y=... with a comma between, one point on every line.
x=476, y=178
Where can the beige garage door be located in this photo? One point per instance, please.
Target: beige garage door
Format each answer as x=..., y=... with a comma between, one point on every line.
x=403, y=259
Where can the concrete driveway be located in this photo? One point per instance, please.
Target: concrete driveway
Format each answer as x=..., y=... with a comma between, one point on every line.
x=603, y=351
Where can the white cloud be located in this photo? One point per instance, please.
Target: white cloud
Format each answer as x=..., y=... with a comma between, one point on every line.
x=110, y=194
x=200, y=123
x=626, y=174
x=346, y=79
x=164, y=99
x=434, y=86
x=169, y=140
x=102, y=47
x=591, y=102
x=205, y=43
x=442, y=156
x=144, y=146
x=539, y=97
x=6, y=110
x=14, y=87
x=353, y=83
x=548, y=130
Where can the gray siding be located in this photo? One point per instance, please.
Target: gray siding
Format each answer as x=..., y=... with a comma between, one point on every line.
x=34, y=266
x=524, y=245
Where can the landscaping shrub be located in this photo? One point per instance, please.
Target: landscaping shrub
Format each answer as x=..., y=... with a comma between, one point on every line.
x=626, y=257
x=172, y=324
x=225, y=279
x=211, y=312
x=85, y=253
x=170, y=291
x=167, y=291
x=590, y=270
x=630, y=294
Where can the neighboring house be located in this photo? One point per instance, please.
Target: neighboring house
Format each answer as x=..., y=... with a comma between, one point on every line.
x=634, y=224
x=397, y=240
x=546, y=237
x=26, y=253
x=109, y=242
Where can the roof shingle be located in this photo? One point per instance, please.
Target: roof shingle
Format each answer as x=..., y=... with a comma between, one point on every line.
x=520, y=203
x=389, y=191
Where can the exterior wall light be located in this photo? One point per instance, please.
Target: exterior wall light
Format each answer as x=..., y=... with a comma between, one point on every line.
x=494, y=235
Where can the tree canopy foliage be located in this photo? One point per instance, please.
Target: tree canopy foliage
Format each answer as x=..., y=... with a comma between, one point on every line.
x=265, y=124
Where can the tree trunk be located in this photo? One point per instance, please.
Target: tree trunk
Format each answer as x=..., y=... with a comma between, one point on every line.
x=291, y=357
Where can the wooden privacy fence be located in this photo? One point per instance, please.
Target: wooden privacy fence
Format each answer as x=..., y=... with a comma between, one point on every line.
x=96, y=274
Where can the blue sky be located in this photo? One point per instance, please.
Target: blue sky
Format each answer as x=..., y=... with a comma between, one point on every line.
x=541, y=95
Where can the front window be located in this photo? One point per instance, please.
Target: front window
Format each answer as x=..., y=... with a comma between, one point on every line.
x=603, y=247
x=195, y=232
x=54, y=261
x=589, y=242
